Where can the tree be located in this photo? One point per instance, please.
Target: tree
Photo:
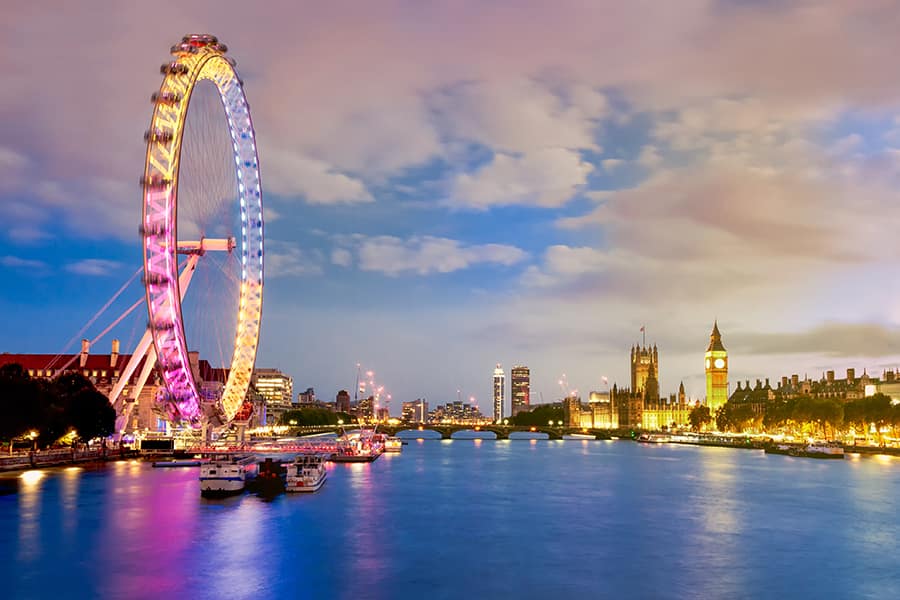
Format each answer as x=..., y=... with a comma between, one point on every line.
x=830, y=412
x=52, y=408
x=18, y=402
x=699, y=417
x=539, y=415
x=879, y=411
x=309, y=416
x=91, y=415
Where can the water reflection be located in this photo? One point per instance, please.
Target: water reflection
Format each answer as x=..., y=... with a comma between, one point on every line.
x=68, y=497
x=30, y=514
x=469, y=519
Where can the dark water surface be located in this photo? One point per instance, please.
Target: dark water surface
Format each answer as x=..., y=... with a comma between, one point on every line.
x=469, y=519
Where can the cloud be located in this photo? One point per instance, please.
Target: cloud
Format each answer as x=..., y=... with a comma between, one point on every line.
x=284, y=259
x=341, y=257
x=290, y=174
x=16, y=262
x=649, y=157
x=12, y=165
x=545, y=178
x=423, y=255
x=94, y=267
x=358, y=101
x=493, y=113
x=831, y=339
x=611, y=164
x=270, y=214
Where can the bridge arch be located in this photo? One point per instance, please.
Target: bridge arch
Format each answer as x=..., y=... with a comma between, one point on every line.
x=481, y=433
x=426, y=433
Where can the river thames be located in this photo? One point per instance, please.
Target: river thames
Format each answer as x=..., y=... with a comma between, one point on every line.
x=469, y=519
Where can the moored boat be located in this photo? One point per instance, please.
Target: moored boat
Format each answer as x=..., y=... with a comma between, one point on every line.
x=227, y=475
x=653, y=438
x=393, y=444
x=362, y=446
x=271, y=478
x=812, y=450
x=307, y=473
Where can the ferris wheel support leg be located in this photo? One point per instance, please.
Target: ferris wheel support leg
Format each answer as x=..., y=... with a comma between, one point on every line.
x=130, y=367
x=144, y=348
x=122, y=421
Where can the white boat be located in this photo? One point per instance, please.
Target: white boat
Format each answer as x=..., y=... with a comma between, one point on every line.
x=824, y=450
x=393, y=444
x=812, y=450
x=229, y=475
x=653, y=438
x=307, y=473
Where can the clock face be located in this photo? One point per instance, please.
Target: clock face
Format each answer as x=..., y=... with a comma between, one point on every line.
x=719, y=363
x=707, y=363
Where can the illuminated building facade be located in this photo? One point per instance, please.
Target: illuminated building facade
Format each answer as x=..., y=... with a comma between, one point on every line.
x=499, y=392
x=278, y=390
x=365, y=409
x=572, y=411
x=716, y=371
x=415, y=411
x=644, y=366
x=601, y=411
x=642, y=406
x=457, y=413
x=520, y=389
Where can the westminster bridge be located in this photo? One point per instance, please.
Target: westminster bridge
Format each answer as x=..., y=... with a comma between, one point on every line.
x=447, y=431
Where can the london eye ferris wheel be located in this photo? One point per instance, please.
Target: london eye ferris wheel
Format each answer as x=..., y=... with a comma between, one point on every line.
x=202, y=209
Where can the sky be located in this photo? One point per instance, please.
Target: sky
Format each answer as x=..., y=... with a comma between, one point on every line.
x=449, y=185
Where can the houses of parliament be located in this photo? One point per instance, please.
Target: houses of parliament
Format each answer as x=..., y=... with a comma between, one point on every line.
x=641, y=406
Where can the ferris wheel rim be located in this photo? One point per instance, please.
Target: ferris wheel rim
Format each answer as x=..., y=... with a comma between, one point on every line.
x=198, y=57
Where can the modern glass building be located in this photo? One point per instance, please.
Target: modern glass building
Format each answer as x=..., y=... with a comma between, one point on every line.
x=520, y=389
x=499, y=392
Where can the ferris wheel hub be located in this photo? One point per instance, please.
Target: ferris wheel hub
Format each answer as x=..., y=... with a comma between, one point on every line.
x=205, y=245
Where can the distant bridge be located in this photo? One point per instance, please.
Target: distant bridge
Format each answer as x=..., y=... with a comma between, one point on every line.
x=446, y=430
x=501, y=431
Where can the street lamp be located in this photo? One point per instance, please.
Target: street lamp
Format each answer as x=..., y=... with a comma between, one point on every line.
x=559, y=423
x=506, y=422
x=550, y=422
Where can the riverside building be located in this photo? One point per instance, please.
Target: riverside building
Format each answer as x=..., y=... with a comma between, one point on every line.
x=415, y=411
x=499, y=392
x=716, y=371
x=278, y=390
x=520, y=389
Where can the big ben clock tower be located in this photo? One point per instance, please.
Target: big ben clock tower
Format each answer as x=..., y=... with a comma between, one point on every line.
x=716, y=372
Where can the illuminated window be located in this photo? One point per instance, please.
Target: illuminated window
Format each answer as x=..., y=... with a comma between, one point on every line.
x=31, y=372
x=95, y=373
x=102, y=373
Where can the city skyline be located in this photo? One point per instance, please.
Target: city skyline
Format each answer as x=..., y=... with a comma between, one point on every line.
x=441, y=194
